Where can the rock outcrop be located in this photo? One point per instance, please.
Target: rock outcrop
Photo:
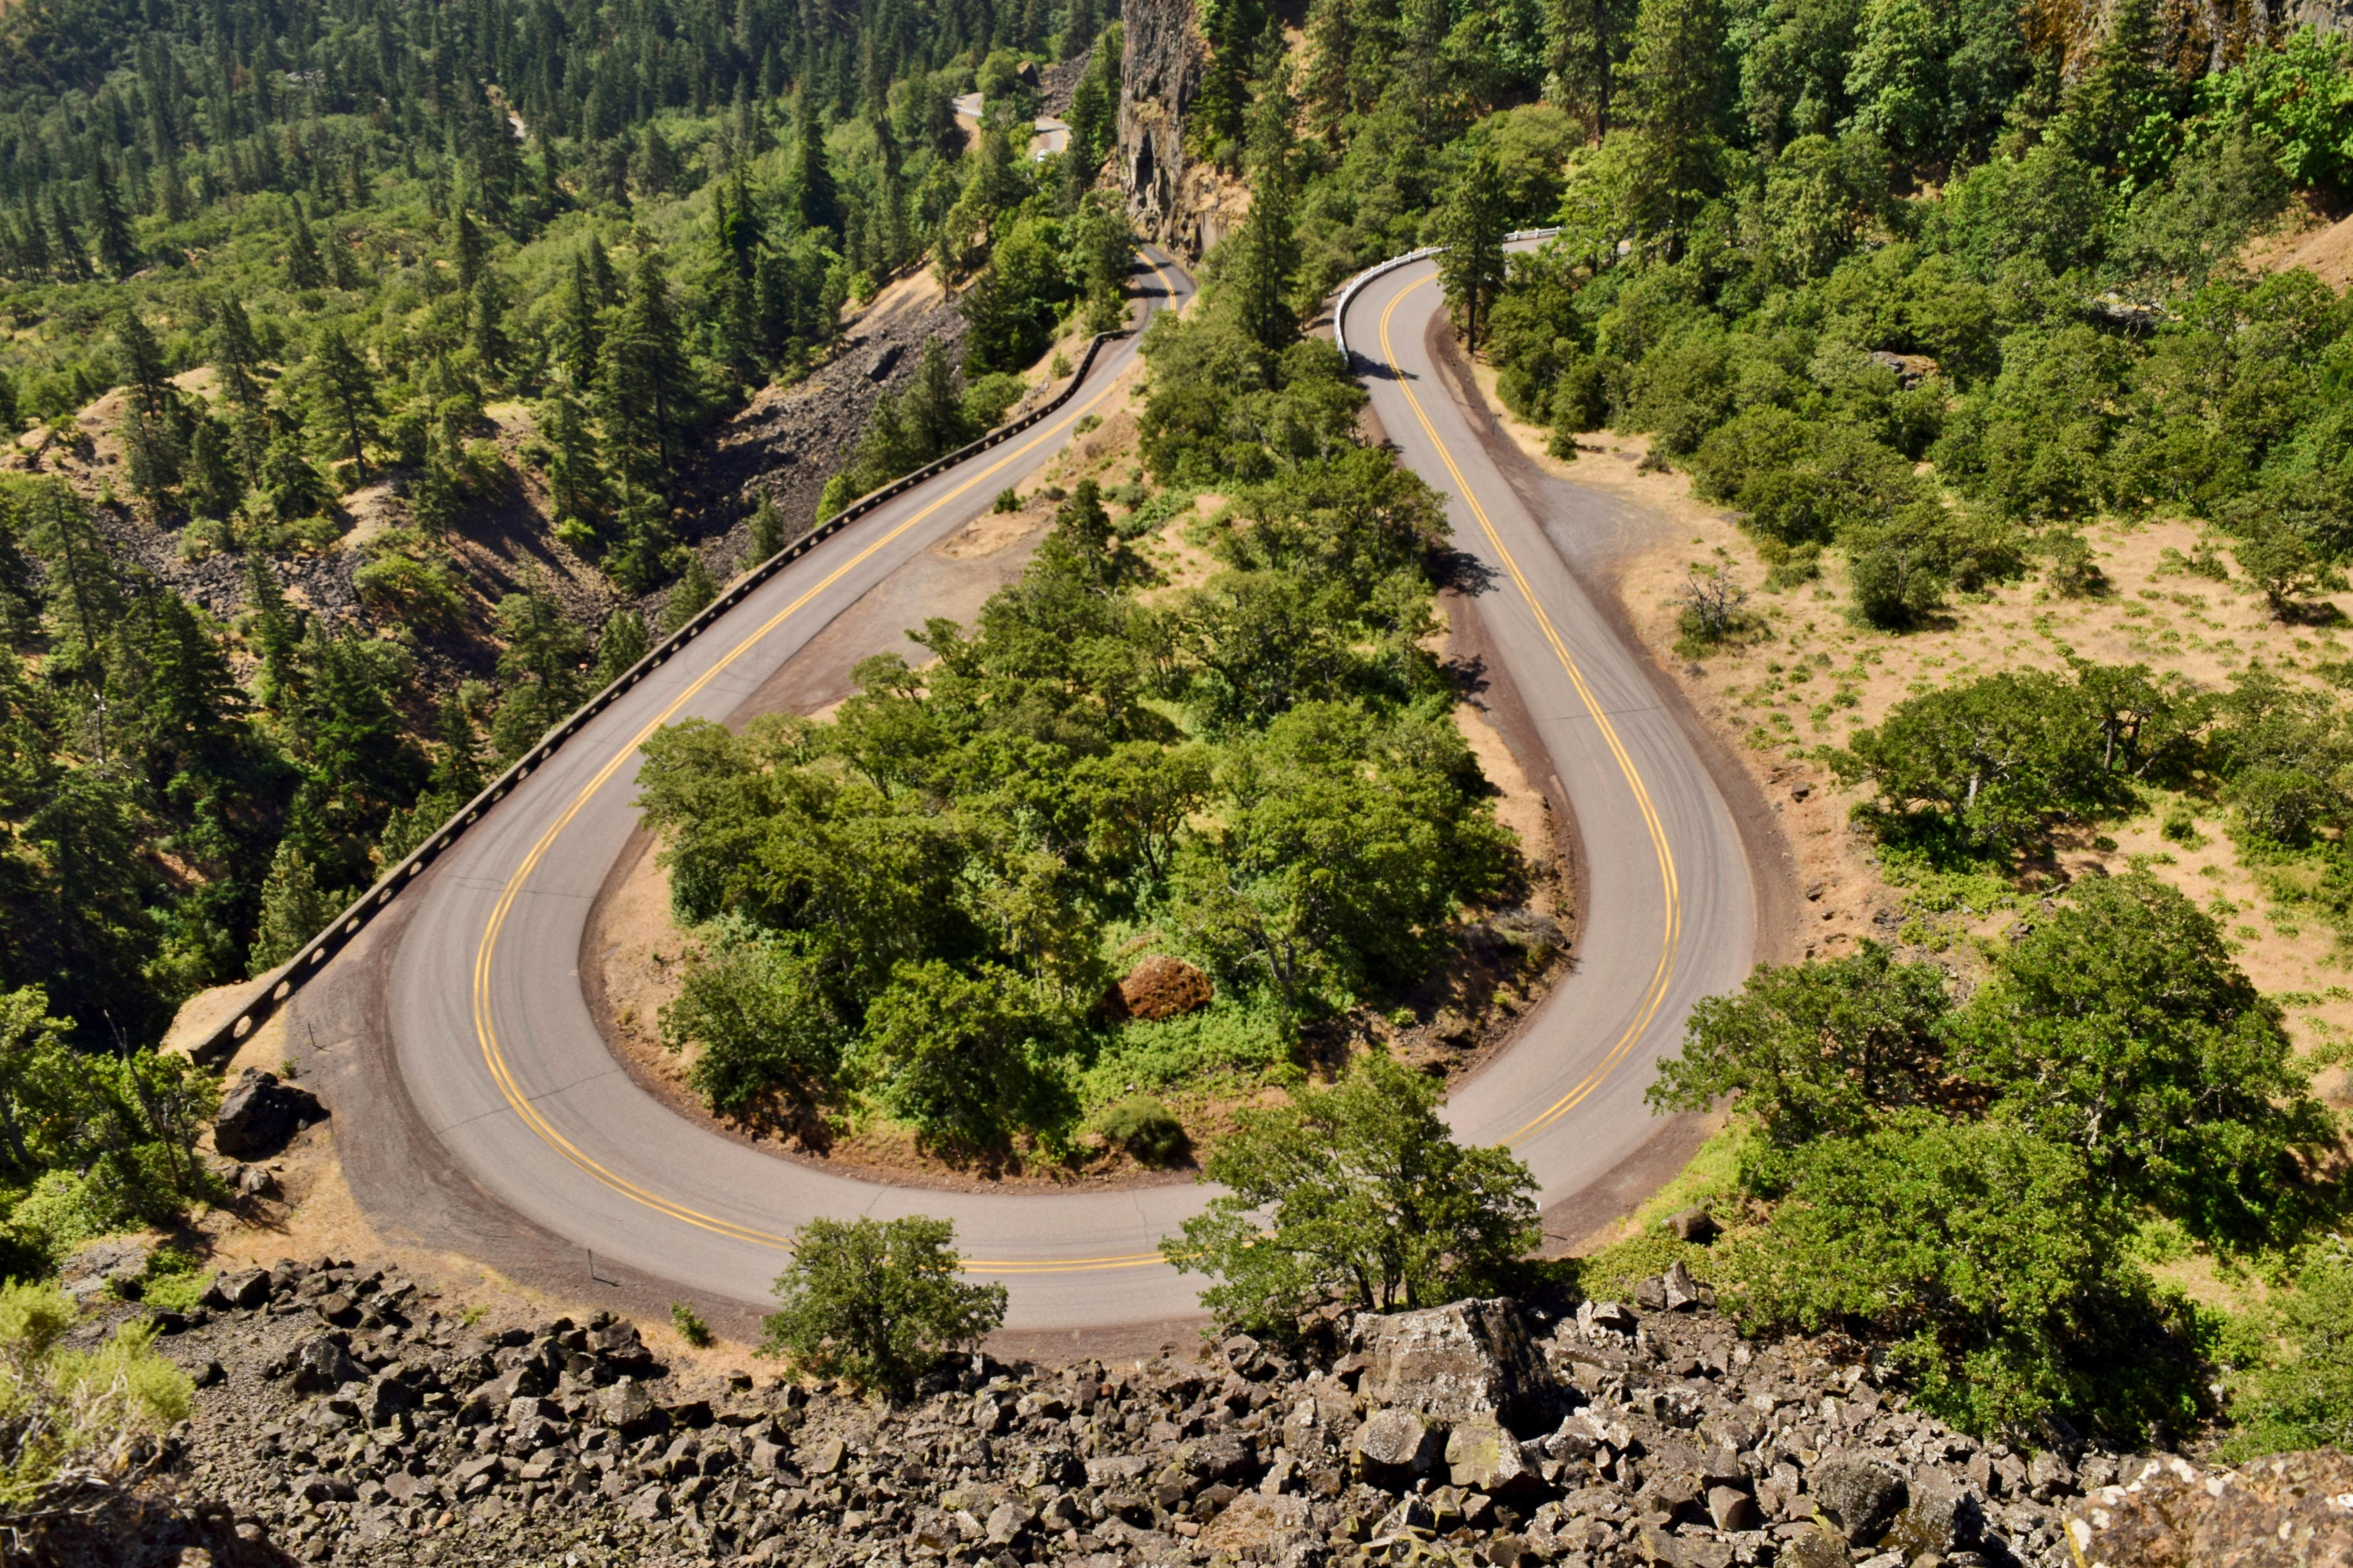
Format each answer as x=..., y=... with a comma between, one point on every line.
x=1177, y=203
x=2293, y=1511
x=347, y=1416
x=260, y=1113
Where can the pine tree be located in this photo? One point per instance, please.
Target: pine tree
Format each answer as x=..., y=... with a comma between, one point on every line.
x=117, y=251
x=814, y=202
x=1677, y=81
x=293, y=910
x=623, y=642
x=491, y=346
x=237, y=357
x=644, y=555
x=575, y=483
x=689, y=596
x=466, y=247
x=645, y=383
x=1584, y=41
x=345, y=389
x=71, y=260
x=1472, y=225
x=274, y=631
x=767, y=534
x=578, y=337
x=1258, y=283
x=213, y=485
x=302, y=266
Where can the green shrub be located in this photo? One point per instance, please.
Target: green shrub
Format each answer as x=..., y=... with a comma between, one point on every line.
x=689, y=1324
x=877, y=1303
x=1144, y=1127
x=62, y=1409
x=1357, y=1193
x=2291, y=1378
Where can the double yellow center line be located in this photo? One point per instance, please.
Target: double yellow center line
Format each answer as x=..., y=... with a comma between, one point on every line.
x=485, y=1024
x=1671, y=937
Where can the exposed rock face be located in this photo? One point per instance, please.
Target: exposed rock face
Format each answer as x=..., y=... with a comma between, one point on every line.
x=2291, y=1510
x=1185, y=205
x=1159, y=74
x=258, y=1114
x=1159, y=987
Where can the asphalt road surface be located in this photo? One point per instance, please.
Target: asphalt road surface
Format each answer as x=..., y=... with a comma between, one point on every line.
x=498, y=1052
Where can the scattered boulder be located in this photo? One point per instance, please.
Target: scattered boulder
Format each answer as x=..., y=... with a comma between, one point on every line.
x=321, y=1365
x=1694, y=1225
x=1159, y=987
x=1482, y=1456
x=260, y=1113
x=1861, y=1496
x=1457, y=1361
x=1394, y=1446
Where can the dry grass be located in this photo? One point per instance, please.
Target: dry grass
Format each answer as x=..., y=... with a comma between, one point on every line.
x=1821, y=676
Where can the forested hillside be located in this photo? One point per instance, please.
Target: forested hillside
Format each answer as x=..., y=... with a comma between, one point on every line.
x=361, y=354
x=312, y=245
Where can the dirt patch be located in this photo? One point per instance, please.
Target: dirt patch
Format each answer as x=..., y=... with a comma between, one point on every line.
x=990, y=533
x=2309, y=239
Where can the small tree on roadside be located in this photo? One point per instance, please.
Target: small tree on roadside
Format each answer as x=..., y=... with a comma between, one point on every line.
x=1354, y=1194
x=876, y=1301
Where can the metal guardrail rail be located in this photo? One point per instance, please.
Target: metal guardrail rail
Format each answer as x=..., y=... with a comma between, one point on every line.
x=1348, y=289
x=223, y=1040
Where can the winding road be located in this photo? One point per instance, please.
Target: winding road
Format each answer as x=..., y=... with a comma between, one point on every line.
x=500, y=1064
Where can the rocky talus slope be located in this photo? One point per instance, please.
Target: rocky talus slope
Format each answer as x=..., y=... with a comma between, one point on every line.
x=349, y=1415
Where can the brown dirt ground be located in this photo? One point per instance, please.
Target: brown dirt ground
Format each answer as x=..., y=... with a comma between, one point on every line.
x=2307, y=239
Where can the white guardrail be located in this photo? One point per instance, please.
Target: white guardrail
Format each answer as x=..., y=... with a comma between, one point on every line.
x=219, y=1045
x=1348, y=289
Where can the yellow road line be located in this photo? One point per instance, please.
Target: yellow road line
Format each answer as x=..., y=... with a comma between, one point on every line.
x=486, y=1030
x=1655, y=995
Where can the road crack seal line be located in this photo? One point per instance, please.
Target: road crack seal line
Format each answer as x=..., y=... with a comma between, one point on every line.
x=486, y=1031
x=1672, y=938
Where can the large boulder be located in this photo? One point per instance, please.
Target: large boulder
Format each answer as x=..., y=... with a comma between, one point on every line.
x=321, y=1365
x=1159, y=987
x=1456, y=1363
x=258, y=1114
x=2289, y=1510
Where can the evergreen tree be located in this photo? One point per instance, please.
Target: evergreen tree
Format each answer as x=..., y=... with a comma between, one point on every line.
x=212, y=486
x=237, y=356
x=689, y=596
x=1258, y=282
x=1677, y=78
x=344, y=387
x=814, y=202
x=293, y=910
x=303, y=270
x=575, y=483
x=645, y=383
x=540, y=665
x=274, y=631
x=1472, y=225
x=578, y=337
x=767, y=535
x=623, y=642
x=117, y=251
